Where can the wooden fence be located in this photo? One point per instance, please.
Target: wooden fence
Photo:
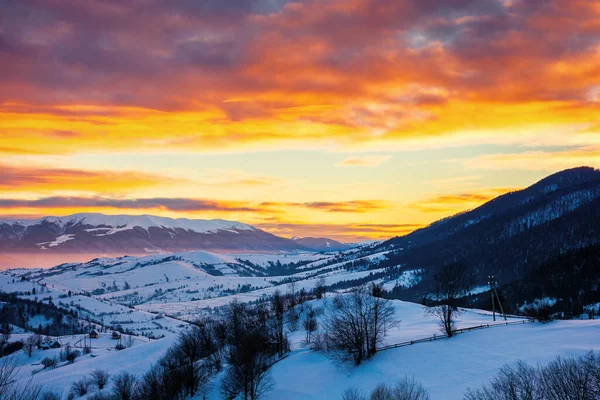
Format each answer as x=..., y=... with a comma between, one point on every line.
x=457, y=331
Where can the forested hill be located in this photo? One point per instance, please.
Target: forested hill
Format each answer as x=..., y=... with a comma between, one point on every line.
x=512, y=234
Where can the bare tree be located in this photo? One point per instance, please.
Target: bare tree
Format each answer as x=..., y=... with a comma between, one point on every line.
x=100, y=378
x=80, y=387
x=355, y=323
x=404, y=389
x=62, y=356
x=72, y=355
x=30, y=344
x=124, y=386
x=293, y=318
x=292, y=295
x=4, y=338
x=309, y=323
x=564, y=378
x=189, y=359
x=10, y=387
x=278, y=323
x=320, y=287
x=51, y=396
x=450, y=283
x=353, y=394
x=48, y=362
x=571, y=378
x=248, y=373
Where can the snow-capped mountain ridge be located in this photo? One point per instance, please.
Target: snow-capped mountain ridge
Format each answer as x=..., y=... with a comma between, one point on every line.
x=137, y=234
x=123, y=222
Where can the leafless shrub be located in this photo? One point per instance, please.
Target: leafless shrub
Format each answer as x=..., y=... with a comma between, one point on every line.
x=309, y=323
x=80, y=387
x=353, y=394
x=404, y=389
x=571, y=378
x=564, y=378
x=124, y=386
x=50, y=396
x=101, y=396
x=10, y=388
x=30, y=344
x=72, y=355
x=48, y=362
x=320, y=287
x=99, y=377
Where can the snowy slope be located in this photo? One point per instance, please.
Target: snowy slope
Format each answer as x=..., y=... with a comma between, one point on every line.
x=94, y=309
x=445, y=367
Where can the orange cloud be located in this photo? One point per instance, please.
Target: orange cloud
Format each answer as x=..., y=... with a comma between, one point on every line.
x=352, y=206
x=453, y=203
x=356, y=75
x=15, y=178
x=342, y=232
x=363, y=161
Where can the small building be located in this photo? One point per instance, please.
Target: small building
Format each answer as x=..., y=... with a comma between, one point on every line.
x=44, y=346
x=116, y=335
x=54, y=344
x=93, y=334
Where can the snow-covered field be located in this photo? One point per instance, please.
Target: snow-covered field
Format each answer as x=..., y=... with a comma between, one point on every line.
x=155, y=296
x=445, y=367
x=93, y=309
x=184, y=285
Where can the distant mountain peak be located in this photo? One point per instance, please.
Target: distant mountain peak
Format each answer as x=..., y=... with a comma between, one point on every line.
x=321, y=243
x=125, y=221
x=96, y=232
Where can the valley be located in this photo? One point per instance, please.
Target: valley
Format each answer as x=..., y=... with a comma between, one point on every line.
x=157, y=298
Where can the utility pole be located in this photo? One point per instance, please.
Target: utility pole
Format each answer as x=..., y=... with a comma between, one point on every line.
x=493, y=292
x=491, y=282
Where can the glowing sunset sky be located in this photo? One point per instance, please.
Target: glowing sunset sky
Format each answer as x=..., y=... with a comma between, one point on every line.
x=350, y=119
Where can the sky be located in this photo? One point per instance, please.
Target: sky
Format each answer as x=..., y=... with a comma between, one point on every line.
x=351, y=119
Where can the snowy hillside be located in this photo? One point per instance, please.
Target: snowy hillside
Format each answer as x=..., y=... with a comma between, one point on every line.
x=183, y=284
x=446, y=368
x=90, y=310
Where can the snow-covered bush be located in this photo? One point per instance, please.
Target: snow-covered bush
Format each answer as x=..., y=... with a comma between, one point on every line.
x=80, y=387
x=48, y=362
x=50, y=396
x=353, y=394
x=124, y=386
x=404, y=389
x=99, y=377
x=72, y=355
x=563, y=378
